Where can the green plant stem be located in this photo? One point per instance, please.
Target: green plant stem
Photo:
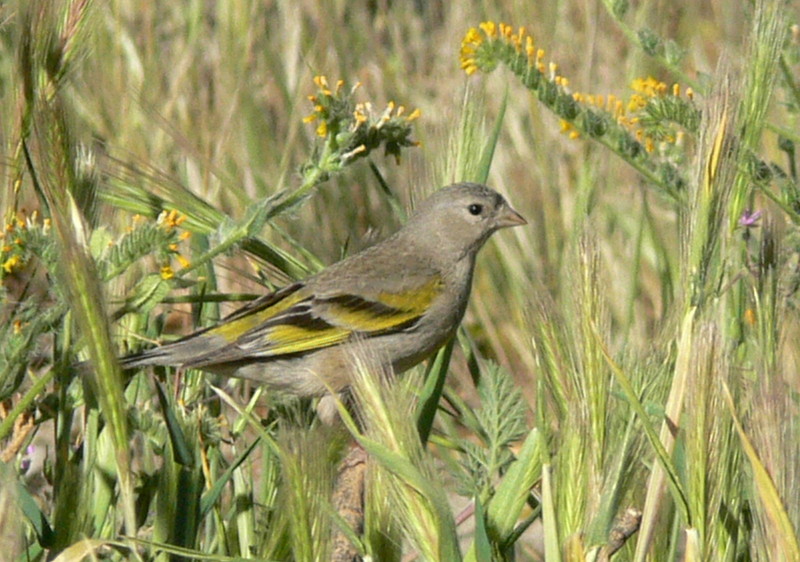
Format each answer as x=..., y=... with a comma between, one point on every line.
x=311, y=179
x=24, y=402
x=633, y=37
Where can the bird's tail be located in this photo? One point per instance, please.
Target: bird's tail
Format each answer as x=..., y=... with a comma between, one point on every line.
x=181, y=352
x=134, y=361
x=156, y=356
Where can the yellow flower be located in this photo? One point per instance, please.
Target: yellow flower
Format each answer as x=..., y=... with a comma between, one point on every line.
x=414, y=115
x=322, y=84
x=489, y=28
x=569, y=129
x=649, y=86
x=167, y=272
x=530, y=49
x=516, y=39
x=171, y=219
x=12, y=263
x=473, y=37
x=358, y=114
x=636, y=103
x=469, y=67
x=469, y=45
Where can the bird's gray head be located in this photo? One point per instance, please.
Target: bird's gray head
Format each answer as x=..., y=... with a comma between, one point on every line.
x=459, y=218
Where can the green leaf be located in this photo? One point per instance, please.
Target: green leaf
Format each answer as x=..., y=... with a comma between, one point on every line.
x=432, y=391
x=30, y=509
x=483, y=547
x=149, y=292
x=213, y=494
x=181, y=449
x=99, y=242
x=487, y=153
x=512, y=493
x=552, y=548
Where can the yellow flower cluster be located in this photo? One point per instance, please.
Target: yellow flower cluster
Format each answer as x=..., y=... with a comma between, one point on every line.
x=171, y=220
x=646, y=88
x=324, y=108
x=472, y=58
x=470, y=44
x=625, y=112
x=354, y=129
x=484, y=46
x=321, y=111
x=12, y=251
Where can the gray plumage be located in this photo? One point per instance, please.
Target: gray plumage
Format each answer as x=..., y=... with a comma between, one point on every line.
x=397, y=301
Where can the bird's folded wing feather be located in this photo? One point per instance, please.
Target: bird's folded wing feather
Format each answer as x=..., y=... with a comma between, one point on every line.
x=295, y=320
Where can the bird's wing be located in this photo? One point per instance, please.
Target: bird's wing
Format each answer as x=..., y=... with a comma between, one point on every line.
x=300, y=321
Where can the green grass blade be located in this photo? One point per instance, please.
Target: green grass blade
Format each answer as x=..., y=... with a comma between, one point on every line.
x=432, y=391
x=656, y=443
x=182, y=451
x=38, y=520
x=784, y=532
x=673, y=408
x=211, y=496
x=487, y=153
x=552, y=544
x=483, y=546
x=513, y=491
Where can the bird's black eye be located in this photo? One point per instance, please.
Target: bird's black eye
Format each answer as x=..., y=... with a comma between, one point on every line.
x=475, y=209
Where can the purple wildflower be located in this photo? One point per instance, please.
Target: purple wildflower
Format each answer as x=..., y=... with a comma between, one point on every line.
x=749, y=219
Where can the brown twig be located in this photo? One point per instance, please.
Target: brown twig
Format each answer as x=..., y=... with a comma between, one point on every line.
x=348, y=501
x=624, y=527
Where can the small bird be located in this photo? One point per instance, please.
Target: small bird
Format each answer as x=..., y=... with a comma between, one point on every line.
x=397, y=301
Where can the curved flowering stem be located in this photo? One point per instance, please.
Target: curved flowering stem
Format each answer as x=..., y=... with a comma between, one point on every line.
x=667, y=53
x=349, y=131
x=644, y=131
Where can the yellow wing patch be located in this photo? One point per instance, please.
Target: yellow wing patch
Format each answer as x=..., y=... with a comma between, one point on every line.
x=286, y=339
x=248, y=321
x=298, y=322
x=417, y=300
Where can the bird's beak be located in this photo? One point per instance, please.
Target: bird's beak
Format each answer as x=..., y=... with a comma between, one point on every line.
x=509, y=217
